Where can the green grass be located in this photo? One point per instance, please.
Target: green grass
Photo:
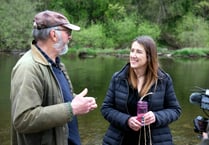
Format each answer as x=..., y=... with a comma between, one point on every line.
x=191, y=52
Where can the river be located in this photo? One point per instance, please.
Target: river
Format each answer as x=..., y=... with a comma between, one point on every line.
x=95, y=74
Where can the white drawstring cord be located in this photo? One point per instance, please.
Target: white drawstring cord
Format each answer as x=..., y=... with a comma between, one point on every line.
x=150, y=137
x=145, y=136
x=145, y=96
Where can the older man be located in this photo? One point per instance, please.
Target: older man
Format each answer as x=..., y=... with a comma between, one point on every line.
x=44, y=107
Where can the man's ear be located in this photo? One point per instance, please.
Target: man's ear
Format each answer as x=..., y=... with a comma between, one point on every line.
x=53, y=35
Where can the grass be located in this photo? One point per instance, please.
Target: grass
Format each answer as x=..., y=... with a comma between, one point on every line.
x=191, y=52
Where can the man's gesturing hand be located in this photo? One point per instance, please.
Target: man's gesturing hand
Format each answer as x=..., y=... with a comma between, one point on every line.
x=81, y=104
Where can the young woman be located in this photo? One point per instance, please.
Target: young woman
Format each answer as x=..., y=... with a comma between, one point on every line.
x=140, y=79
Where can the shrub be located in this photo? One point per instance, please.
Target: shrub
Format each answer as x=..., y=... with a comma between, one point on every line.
x=16, y=23
x=91, y=37
x=122, y=32
x=192, y=31
x=192, y=52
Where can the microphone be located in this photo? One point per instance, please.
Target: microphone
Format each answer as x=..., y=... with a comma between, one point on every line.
x=200, y=98
x=195, y=98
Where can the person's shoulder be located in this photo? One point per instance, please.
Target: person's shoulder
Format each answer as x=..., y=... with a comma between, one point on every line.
x=163, y=74
x=122, y=72
x=25, y=62
x=115, y=74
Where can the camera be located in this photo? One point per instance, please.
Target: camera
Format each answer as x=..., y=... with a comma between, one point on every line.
x=200, y=124
x=201, y=98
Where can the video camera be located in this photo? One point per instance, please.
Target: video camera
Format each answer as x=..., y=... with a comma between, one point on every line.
x=200, y=97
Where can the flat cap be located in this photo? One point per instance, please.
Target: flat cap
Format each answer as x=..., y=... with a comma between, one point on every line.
x=48, y=19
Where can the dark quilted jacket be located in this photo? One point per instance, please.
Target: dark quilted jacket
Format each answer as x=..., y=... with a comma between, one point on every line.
x=163, y=103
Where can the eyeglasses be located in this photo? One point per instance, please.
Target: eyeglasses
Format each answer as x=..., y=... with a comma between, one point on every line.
x=69, y=31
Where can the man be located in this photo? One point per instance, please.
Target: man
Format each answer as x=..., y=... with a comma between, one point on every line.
x=44, y=107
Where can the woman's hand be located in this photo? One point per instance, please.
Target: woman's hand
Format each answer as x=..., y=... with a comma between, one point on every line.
x=149, y=118
x=134, y=124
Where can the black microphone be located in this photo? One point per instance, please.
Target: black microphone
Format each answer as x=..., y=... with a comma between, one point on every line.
x=195, y=98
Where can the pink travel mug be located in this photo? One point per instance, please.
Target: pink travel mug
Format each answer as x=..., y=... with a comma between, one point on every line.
x=142, y=108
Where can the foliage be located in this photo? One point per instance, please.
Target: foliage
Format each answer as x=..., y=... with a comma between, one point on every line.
x=115, y=12
x=91, y=37
x=202, y=9
x=87, y=12
x=121, y=29
x=126, y=30
x=111, y=24
x=192, y=52
x=192, y=31
x=121, y=32
x=16, y=21
x=159, y=11
x=147, y=28
x=117, y=32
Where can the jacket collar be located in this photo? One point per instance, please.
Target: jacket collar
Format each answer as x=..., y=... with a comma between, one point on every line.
x=123, y=73
x=38, y=56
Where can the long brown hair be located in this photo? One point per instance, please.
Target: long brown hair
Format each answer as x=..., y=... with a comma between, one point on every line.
x=152, y=65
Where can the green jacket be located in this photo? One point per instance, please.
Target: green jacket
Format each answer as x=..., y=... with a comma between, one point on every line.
x=39, y=114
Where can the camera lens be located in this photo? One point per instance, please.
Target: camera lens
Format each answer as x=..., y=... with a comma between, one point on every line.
x=200, y=124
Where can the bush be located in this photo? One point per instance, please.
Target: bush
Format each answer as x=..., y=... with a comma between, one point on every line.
x=122, y=32
x=116, y=34
x=192, y=52
x=16, y=24
x=91, y=37
x=147, y=28
x=192, y=31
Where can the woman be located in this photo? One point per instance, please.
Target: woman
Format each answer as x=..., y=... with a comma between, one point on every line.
x=140, y=79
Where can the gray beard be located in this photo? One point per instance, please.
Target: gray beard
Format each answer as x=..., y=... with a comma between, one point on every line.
x=64, y=51
x=61, y=47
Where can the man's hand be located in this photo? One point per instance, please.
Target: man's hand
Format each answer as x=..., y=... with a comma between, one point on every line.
x=204, y=135
x=81, y=104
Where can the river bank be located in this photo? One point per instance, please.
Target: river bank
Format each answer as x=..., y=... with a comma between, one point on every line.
x=91, y=52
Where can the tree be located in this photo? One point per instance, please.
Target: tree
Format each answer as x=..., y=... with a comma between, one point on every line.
x=86, y=12
x=202, y=9
x=16, y=24
x=192, y=31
